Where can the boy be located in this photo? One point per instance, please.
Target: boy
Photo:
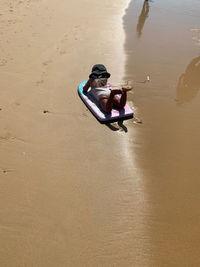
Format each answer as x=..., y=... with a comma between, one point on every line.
x=107, y=97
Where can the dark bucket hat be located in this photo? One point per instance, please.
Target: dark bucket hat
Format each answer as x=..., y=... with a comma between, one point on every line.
x=99, y=71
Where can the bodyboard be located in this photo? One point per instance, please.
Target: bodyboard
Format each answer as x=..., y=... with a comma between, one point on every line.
x=103, y=117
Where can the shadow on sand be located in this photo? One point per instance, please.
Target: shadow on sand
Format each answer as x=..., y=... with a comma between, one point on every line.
x=142, y=18
x=189, y=82
x=117, y=126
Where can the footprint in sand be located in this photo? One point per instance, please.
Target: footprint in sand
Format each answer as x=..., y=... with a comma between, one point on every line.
x=5, y=137
x=46, y=63
x=62, y=52
x=39, y=82
x=5, y=170
x=3, y=62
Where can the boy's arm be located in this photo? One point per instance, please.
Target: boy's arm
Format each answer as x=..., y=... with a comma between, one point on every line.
x=86, y=86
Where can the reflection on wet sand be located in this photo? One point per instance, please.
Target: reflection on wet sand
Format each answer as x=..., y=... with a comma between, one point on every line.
x=165, y=146
x=142, y=18
x=189, y=82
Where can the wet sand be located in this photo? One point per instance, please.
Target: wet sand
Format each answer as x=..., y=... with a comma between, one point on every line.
x=163, y=41
x=74, y=192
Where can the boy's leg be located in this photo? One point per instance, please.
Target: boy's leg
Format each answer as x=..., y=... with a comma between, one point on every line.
x=121, y=102
x=107, y=102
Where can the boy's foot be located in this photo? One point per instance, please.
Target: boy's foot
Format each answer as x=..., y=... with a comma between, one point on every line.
x=127, y=88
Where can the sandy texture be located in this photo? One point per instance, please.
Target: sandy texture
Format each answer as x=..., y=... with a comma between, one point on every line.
x=72, y=191
x=56, y=174
x=163, y=41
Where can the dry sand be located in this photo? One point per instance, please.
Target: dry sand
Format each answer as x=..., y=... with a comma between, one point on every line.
x=58, y=164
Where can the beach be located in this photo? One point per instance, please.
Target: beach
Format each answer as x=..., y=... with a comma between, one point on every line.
x=75, y=192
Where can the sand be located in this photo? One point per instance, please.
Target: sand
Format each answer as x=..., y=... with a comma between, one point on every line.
x=58, y=163
x=74, y=192
x=163, y=41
